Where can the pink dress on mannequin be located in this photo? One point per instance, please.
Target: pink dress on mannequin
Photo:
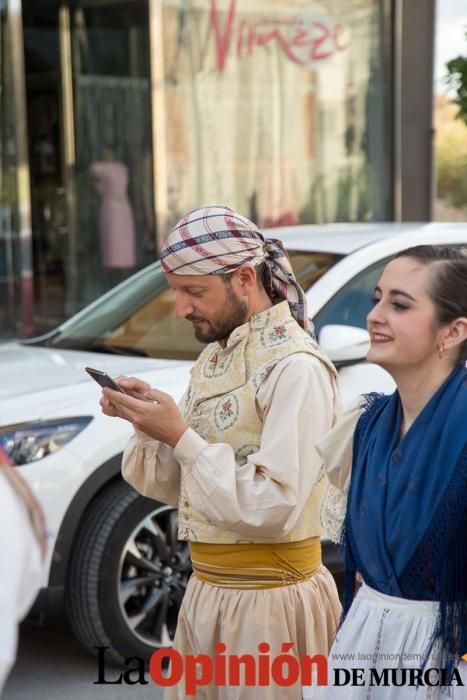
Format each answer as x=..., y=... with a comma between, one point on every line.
x=116, y=223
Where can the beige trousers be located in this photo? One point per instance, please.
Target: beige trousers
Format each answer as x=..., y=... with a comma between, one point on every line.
x=305, y=614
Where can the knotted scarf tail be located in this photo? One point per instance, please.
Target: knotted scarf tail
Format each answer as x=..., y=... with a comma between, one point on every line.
x=451, y=628
x=371, y=403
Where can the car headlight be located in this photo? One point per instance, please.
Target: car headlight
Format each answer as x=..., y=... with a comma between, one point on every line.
x=28, y=442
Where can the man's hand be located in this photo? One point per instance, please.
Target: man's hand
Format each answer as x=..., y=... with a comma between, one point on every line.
x=161, y=421
x=132, y=386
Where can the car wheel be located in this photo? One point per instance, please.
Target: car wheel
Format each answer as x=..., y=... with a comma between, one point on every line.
x=128, y=575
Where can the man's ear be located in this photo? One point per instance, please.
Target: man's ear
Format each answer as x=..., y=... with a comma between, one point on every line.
x=245, y=278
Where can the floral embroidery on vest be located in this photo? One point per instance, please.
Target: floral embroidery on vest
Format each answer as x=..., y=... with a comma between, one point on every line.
x=226, y=412
x=262, y=373
x=214, y=368
x=259, y=321
x=188, y=401
x=275, y=336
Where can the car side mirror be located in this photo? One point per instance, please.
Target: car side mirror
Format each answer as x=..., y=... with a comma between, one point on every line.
x=344, y=343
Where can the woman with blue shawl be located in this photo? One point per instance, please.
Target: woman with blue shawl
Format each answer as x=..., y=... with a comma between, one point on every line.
x=397, y=466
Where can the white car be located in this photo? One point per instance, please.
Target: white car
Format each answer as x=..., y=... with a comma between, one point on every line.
x=114, y=560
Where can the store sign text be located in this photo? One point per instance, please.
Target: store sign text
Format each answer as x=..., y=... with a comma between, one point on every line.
x=306, y=39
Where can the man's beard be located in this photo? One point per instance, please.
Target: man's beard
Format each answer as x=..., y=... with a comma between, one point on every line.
x=234, y=315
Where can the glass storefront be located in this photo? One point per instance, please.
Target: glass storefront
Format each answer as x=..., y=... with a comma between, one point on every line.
x=16, y=274
x=141, y=110
x=276, y=108
x=89, y=125
x=8, y=196
x=112, y=115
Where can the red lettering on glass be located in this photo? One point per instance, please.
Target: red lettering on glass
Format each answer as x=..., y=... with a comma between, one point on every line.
x=245, y=40
x=303, y=43
x=325, y=37
x=223, y=39
x=301, y=37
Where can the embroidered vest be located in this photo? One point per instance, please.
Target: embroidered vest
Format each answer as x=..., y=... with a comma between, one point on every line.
x=221, y=406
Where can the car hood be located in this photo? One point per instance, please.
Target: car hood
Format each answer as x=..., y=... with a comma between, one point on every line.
x=32, y=370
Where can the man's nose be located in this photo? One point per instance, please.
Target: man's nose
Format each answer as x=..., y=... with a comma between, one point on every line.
x=183, y=306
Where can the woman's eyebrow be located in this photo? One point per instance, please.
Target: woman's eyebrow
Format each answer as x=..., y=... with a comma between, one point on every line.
x=393, y=292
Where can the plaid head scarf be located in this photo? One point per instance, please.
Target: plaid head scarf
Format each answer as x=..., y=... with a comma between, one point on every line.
x=216, y=240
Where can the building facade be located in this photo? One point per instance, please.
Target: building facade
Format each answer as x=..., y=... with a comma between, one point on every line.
x=119, y=116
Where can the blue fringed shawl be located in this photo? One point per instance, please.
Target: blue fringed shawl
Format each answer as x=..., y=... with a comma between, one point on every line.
x=406, y=524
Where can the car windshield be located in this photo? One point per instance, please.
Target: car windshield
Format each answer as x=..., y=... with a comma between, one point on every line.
x=137, y=317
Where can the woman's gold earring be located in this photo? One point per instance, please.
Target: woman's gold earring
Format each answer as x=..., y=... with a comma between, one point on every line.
x=441, y=350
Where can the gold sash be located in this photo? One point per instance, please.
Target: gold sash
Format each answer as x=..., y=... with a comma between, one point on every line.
x=256, y=565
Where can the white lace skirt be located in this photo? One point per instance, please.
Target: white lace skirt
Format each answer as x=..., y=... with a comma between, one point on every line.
x=383, y=639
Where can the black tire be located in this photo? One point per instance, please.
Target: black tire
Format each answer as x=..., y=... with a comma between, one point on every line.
x=127, y=576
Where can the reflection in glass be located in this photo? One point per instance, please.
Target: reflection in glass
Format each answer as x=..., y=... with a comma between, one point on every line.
x=50, y=240
x=115, y=219
x=8, y=195
x=276, y=109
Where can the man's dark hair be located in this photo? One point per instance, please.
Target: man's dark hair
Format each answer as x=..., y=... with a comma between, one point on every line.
x=448, y=288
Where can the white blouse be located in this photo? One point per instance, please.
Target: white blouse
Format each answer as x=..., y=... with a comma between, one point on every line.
x=20, y=571
x=336, y=452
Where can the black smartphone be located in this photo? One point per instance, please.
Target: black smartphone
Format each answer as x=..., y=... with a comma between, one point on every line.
x=103, y=379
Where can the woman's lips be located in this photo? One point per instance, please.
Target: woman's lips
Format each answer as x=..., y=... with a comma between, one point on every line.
x=380, y=338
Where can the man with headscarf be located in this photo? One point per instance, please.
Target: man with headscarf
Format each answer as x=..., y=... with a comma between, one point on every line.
x=238, y=458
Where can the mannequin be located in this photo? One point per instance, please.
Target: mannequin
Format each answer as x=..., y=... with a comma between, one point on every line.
x=116, y=222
